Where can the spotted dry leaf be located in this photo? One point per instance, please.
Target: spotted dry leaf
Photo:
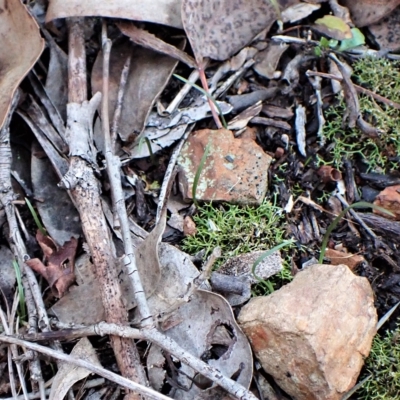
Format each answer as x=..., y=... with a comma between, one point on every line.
x=367, y=12
x=219, y=28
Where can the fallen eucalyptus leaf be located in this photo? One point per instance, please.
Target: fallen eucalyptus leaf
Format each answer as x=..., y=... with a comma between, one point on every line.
x=68, y=374
x=166, y=12
x=21, y=46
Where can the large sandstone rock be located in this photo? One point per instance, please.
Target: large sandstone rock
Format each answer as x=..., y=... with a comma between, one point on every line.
x=236, y=169
x=313, y=334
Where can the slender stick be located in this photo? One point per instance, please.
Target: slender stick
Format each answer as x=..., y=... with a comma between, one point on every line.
x=161, y=340
x=85, y=190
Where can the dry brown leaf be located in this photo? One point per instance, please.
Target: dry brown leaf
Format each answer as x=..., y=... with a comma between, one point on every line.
x=21, y=46
x=337, y=257
x=166, y=12
x=59, y=268
x=68, y=374
x=152, y=42
x=386, y=32
x=149, y=72
x=367, y=12
x=218, y=29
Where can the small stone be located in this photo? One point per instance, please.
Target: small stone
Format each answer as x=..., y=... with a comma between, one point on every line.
x=313, y=334
x=235, y=171
x=189, y=226
x=389, y=199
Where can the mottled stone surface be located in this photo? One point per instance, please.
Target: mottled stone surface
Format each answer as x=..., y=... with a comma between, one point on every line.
x=236, y=169
x=313, y=334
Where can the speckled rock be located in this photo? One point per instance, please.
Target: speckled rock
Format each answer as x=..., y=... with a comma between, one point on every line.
x=235, y=171
x=313, y=334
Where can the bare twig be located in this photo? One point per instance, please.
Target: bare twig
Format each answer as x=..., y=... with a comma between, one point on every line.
x=169, y=175
x=120, y=97
x=84, y=187
x=31, y=287
x=113, y=169
x=149, y=393
x=153, y=335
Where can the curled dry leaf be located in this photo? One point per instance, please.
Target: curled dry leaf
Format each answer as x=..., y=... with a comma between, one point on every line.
x=58, y=269
x=166, y=12
x=206, y=327
x=219, y=28
x=69, y=374
x=21, y=46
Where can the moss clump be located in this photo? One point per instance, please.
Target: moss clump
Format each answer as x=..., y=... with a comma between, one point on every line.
x=381, y=76
x=237, y=230
x=383, y=365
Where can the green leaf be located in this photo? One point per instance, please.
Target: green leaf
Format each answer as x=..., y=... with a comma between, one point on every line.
x=36, y=218
x=334, y=27
x=358, y=39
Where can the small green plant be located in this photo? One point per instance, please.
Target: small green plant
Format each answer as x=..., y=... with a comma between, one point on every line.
x=36, y=217
x=357, y=39
x=383, y=365
x=237, y=230
x=382, y=77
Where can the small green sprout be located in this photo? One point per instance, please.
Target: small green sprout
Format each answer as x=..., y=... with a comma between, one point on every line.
x=36, y=217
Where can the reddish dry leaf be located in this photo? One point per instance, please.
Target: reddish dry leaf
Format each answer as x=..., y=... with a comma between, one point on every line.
x=21, y=46
x=367, y=12
x=166, y=12
x=219, y=28
x=58, y=269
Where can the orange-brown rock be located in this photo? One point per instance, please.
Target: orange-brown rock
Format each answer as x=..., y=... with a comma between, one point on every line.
x=236, y=169
x=389, y=199
x=313, y=334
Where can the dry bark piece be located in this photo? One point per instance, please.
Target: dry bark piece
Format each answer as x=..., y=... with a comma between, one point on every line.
x=58, y=269
x=367, y=12
x=166, y=12
x=218, y=29
x=313, y=334
x=21, y=46
x=389, y=199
